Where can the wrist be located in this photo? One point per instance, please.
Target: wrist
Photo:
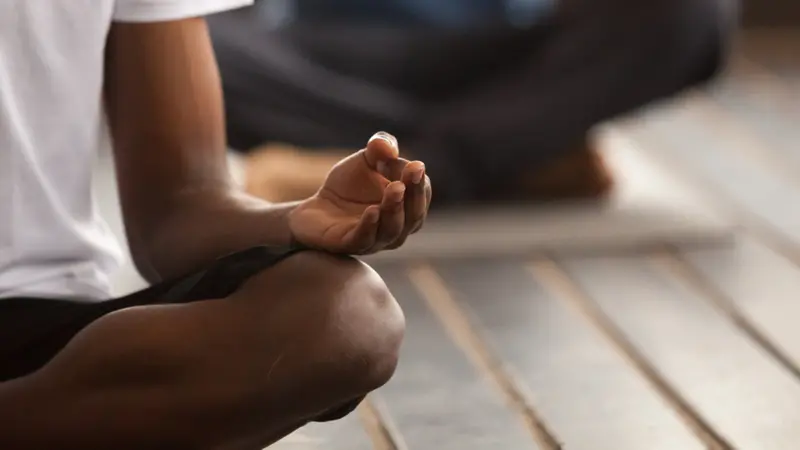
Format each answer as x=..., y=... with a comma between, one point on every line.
x=292, y=224
x=296, y=244
x=198, y=231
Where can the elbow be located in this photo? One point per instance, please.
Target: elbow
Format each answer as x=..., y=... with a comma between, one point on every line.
x=155, y=238
x=176, y=236
x=144, y=250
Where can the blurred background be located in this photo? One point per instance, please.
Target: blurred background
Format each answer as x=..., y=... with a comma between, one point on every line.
x=460, y=83
x=613, y=257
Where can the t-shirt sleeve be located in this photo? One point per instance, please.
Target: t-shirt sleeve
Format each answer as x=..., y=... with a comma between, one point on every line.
x=162, y=10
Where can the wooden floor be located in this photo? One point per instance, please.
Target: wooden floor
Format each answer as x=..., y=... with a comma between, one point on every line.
x=674, y=348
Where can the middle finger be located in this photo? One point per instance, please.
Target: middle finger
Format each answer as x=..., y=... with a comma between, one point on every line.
x=415, y=203
x=392, y=220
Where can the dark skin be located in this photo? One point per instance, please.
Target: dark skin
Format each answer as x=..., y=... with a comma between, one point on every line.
x=170, y=150
x=306, y=336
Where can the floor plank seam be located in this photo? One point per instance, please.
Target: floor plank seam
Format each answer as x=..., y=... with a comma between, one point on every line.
x=555, y=279
x=379, y=426
x=672, y=264
x=462, y=329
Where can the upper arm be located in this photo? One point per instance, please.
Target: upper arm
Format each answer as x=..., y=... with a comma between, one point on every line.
x=165, y=109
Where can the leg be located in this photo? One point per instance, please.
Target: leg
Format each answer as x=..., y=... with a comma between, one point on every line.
x=329, y=85
x=275, y=92
x=326, y=87
x=515, y=117
x=300, y=339
x=598, y=60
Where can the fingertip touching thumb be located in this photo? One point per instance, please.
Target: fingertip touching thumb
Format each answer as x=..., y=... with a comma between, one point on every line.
x=381, y=148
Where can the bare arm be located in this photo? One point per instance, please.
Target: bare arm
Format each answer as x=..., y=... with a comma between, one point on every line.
x=165, y=106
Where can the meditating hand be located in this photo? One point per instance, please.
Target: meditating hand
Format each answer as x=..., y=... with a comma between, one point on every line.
x=370, y=201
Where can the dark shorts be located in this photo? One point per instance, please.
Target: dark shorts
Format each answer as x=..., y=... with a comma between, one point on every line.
x=34, y=330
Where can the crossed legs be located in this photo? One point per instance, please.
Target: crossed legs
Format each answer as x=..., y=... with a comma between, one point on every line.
x=493, y=113
x=307, y=336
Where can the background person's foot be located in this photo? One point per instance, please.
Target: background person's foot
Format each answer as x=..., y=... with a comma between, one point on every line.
x=579, y=174
x=282, y=173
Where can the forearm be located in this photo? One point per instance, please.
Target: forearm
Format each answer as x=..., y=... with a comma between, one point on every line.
x=197, y=228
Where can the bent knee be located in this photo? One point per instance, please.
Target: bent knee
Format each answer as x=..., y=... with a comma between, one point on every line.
x=344, y=310
x=687, y=39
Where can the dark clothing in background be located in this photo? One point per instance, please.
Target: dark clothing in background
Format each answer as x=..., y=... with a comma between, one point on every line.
x=481, y=105
x=416, y=13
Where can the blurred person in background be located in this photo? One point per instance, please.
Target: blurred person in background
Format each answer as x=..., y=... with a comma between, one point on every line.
x=496, y=96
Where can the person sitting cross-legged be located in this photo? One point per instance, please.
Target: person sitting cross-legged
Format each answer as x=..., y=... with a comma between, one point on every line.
x=498, y=97
x=259, y=320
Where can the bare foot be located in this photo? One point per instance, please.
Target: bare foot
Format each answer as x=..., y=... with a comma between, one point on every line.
x=579, y=174
x=282, y=173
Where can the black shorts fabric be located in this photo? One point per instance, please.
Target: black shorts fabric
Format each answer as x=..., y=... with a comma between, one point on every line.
x=34, y=330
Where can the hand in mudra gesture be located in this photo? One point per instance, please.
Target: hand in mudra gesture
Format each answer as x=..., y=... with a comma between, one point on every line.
x=370, y=201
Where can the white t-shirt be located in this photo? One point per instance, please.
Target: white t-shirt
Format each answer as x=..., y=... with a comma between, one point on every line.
x=53, y=242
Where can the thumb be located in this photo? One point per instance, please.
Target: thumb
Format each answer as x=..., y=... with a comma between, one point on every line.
x=381, y=149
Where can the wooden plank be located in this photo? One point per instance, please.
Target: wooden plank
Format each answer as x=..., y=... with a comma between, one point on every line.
x=437, y=399
x=584, y=390
x=743, y=393
x=740, y=111
x=686, y=142
x=755, y=106
x=459, y=327
x=346, y=434
x=380, y=425
x=761, y=285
